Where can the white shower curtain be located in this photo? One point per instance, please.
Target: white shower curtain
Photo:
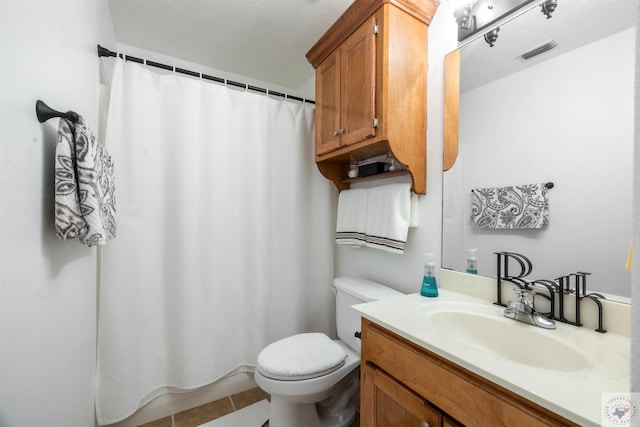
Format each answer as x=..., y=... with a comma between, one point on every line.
x=224, y=235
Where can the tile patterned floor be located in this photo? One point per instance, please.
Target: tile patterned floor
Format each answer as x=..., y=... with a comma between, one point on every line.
x=212, y=410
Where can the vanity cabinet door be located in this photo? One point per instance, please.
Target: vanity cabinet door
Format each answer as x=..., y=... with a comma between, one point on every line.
x=390, y=404
x=448, y=422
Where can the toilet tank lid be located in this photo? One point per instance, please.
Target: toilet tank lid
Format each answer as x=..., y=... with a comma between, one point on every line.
x=364, y=289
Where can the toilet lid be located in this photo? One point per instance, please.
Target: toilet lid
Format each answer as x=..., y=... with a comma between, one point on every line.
x=301, y=356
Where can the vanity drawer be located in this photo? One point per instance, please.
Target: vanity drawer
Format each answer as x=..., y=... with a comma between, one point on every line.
x=466, y=397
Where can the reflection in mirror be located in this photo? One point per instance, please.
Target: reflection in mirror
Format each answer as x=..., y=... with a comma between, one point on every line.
x=564, y=116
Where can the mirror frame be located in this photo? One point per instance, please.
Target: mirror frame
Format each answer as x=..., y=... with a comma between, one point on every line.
x=451, y=108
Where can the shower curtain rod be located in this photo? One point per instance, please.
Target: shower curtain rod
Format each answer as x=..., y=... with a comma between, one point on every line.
x=102, y=51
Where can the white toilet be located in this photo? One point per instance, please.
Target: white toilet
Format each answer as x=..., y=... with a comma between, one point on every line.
x=312, y=379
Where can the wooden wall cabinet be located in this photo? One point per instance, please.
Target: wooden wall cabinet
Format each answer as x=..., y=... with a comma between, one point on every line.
x=371, y=88
x=345, y=92
x=405, y=385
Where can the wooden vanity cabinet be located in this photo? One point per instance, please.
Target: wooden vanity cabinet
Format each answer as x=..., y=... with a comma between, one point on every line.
x=371, y=88
x=403, y=384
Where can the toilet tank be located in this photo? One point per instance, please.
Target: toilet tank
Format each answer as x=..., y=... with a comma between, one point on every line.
x=351, y=291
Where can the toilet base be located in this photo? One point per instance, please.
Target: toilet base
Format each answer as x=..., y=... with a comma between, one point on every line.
x=336, y=411
x=283, y=413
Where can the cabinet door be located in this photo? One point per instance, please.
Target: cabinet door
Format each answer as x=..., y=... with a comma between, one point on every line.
x=387, y=403
x=448, y=422
x=358, y=72
x=328, y=104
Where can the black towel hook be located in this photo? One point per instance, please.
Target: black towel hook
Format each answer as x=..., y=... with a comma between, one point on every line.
x=44, y=113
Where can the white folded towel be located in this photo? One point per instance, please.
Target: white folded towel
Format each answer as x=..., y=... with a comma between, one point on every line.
x=84, y=186
x=352, y=217
x=388, y=217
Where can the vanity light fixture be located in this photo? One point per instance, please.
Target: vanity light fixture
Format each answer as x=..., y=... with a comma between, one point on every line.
x=476, y=16
x=491, y=36
x=463, y=15
x=548, y=7
x=473, y=16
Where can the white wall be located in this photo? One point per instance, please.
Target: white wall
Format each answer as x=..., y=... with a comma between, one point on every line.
x=404, y=272
x=47, y=287
x=568, y=120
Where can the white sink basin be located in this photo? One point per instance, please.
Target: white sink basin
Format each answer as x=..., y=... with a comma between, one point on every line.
x=567, y=350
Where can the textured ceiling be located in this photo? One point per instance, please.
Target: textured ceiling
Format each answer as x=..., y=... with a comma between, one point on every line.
x=263, y=39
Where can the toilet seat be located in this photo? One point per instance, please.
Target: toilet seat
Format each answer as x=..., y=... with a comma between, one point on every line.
x=301, y=357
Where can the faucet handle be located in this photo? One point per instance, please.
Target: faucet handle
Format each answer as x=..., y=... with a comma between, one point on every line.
x=521, y=307
x=523, y=293
x=525, y=304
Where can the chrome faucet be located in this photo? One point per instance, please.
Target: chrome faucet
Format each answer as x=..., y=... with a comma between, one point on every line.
x=524, y=311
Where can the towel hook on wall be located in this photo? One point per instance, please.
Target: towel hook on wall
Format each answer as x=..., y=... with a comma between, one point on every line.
x=44, y=113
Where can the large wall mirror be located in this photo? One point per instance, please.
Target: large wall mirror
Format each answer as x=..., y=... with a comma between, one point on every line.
x=563, y=116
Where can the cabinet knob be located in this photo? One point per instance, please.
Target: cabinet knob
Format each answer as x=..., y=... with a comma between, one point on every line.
x=335, y=133
x=341, y=130
x=424, y=424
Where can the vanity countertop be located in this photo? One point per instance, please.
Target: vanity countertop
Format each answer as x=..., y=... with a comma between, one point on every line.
x=575, y=395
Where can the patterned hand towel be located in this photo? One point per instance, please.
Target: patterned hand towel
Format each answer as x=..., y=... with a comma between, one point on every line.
x=84, y=186
x=521, y=206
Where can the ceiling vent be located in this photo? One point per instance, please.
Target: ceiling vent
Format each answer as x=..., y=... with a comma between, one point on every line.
x=545, y=47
